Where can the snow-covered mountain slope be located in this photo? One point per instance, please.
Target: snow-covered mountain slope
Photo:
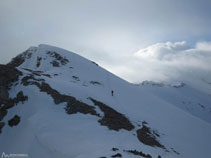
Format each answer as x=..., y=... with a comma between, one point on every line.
x=182, y=95
x=62, y=106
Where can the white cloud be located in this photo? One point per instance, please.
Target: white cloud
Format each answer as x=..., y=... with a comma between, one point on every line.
x=178, y=54
x=162, y=51
x=204, y=46
x=169, y=62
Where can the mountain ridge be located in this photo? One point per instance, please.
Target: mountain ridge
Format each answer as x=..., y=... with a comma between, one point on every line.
x=69, y=105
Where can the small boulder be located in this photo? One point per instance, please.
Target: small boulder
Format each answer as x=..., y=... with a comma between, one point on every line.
x=14, y=121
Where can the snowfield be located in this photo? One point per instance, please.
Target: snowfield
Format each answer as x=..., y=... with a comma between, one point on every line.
x=177, y=117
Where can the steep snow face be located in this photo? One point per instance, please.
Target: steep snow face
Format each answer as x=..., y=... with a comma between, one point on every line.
x=70, y=112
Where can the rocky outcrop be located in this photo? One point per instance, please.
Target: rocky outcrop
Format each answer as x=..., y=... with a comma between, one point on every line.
x=95, y=83
x=117, y=155
x=148, y=137
x=8, y=75
x=58, y=59
x=14, y=121
x=112, y=119
x=18, y=60
x=3, y=112
x=138, y=153
x=37, y=73
x=8, y=103
x=1, y=126
x=38, y=61
x=73, y=105
x=20, y=98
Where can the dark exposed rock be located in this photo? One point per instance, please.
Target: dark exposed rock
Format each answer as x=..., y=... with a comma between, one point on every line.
x=146, y=136
x=18, y=60
x=58, y=58
x=95, y=83
x=139, y=153
x=20, y=97
x=32, y=71
x=37, y=73
x=47, y=75
x=9, y=103
x=57, y=97
x=3, y=92
x=144, y=123
x=76, y=78
x=115, y=149
x=73, y=106
x=3, y=112
x=8, y=75
x=1, y=126
x=159, y=156
x=77, y=106
x=175, y=151
x=14, y=121
x=156, y=133
x=95, y=63
x=113, y=119
x=25, y=80
x=55, y=63
x=117, y=155
x=38, y=61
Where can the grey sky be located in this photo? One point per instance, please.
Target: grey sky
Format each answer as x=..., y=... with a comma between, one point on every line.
x=106, y=31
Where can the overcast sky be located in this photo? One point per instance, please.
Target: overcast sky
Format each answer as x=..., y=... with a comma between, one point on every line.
x=111, y=32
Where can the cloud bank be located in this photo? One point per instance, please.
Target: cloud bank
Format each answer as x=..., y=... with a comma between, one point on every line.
x=94, y=28
x=169, y=62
